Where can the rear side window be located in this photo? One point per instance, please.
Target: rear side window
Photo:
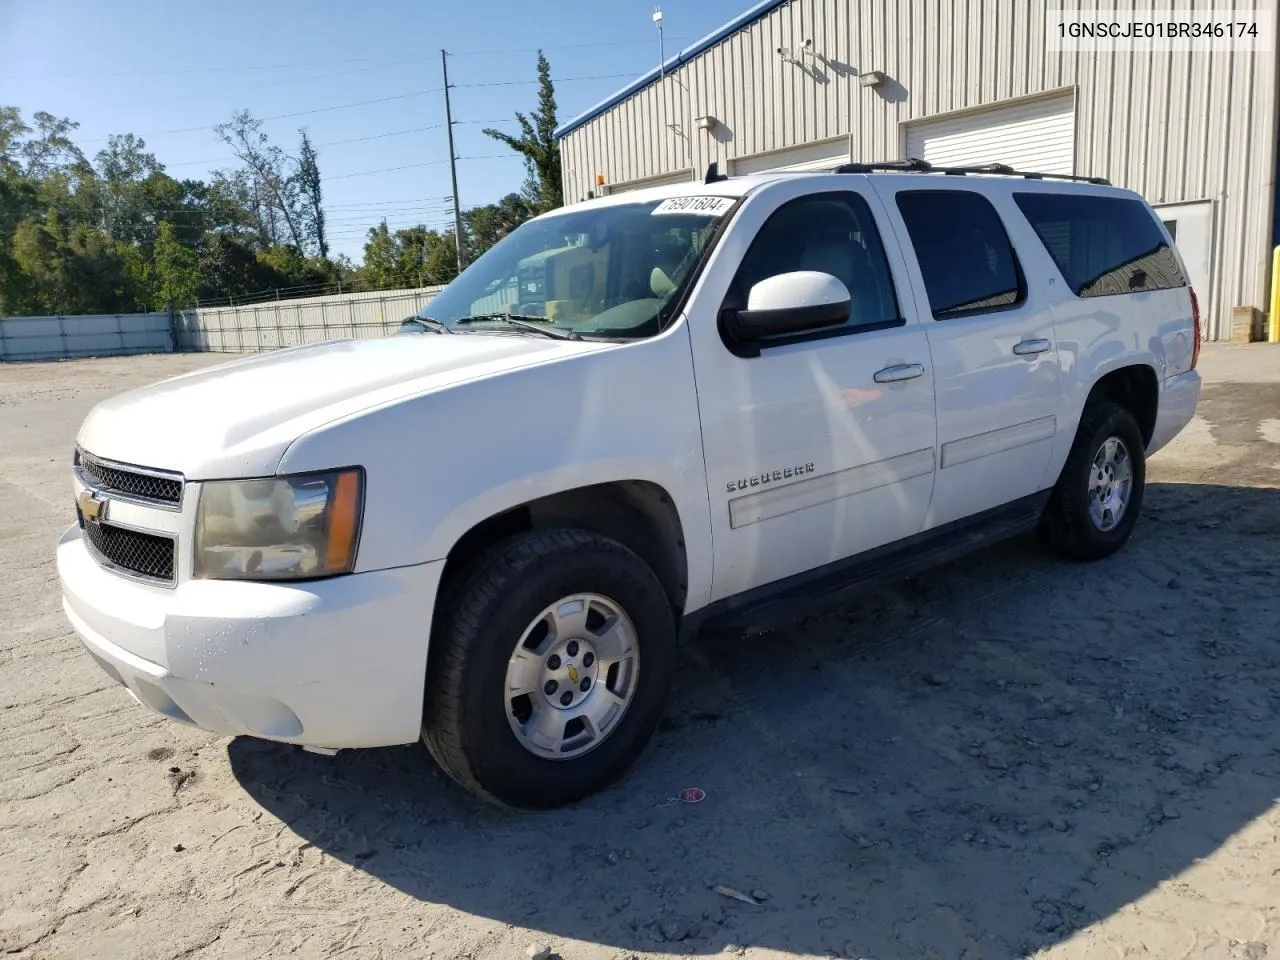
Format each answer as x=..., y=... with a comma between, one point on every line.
x=965, y=256
x=1103, y=246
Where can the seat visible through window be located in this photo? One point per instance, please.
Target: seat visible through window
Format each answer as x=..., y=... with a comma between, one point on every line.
x=832, y=233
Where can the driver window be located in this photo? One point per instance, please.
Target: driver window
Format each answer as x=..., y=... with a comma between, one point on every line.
x=831, y=233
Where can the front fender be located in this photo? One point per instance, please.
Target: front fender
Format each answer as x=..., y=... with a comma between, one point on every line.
x=438, y=464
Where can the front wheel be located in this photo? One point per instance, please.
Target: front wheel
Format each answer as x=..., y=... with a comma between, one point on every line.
x=1095, y=504
x=549, y=669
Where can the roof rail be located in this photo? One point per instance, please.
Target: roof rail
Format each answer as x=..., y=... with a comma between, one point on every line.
x=911, y=164
x=914, y=165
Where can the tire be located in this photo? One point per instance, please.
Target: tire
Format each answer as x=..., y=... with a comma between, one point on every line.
x=1071, y=524
x=472, y=726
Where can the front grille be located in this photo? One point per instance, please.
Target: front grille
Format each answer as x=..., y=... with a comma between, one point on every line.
x=111, y=478
x=144, y=554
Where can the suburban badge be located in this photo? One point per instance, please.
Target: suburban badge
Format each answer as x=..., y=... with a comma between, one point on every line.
x=773, y=476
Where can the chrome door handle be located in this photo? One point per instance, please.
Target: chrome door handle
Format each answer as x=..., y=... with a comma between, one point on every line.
x=899, y=371
x=1027, y=347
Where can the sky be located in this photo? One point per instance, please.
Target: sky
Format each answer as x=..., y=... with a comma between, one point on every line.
x=168, y=71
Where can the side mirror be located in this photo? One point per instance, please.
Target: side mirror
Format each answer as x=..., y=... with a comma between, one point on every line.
x=791, y=303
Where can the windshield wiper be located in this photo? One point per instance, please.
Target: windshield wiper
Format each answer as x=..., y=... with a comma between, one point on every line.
x=525, y=322
x=428, y=323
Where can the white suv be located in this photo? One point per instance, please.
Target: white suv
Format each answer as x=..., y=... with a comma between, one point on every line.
x=630, y=417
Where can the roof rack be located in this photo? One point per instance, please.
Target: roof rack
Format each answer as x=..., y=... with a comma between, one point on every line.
x=916, y=165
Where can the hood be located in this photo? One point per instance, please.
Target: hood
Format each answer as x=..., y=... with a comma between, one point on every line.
x=238, y=418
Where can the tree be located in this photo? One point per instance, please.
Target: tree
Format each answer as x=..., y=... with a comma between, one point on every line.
x=118, y=233
x=486, y=225
x=440, y=258
x=176, y=272
x=537, y=144
x=12, y=130
x=410, y=257
x=120, y=200
x=52, y=150
x=70, y=268
x=229, y=268
x=308, y=176
x=381, y=266
x=275, y=198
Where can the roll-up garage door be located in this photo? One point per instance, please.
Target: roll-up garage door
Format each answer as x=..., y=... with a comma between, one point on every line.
x=818, y=155
x=1029, y=134
x=661, y=180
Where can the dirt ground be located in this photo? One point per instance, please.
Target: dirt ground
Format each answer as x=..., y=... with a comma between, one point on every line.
x=1010, y=756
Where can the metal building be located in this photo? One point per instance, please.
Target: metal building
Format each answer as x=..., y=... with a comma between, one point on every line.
x=791, y=84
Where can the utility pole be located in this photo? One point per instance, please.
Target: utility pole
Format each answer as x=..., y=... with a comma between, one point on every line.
x=662, y=55
x=453, y=161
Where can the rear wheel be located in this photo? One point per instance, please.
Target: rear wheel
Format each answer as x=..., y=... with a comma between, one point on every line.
x=1095, y=504
x=548, y=669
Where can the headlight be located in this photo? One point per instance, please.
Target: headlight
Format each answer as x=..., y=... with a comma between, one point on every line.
x=282, y=528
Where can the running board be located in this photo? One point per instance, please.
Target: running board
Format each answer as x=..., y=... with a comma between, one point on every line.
x=838, y=581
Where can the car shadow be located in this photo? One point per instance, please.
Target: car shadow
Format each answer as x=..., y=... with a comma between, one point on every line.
x=980, y=762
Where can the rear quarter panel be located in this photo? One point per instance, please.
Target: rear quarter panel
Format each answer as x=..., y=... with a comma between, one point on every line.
x=1097, y=335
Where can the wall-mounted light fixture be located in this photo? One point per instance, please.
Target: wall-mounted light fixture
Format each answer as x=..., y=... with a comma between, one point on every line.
x=708, y=123
x=872, y=78
x=793, y=56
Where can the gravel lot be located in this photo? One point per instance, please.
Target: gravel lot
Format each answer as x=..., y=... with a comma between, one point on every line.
x=1006, y=757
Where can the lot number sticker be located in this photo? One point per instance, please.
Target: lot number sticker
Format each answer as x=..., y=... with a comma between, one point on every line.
x=712, y=206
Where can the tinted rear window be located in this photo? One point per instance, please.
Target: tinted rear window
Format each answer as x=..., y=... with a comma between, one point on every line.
x=1103, y=245
x=964, y=254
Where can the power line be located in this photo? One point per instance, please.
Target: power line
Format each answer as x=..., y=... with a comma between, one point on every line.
x=410, y=166
x=230, y=69
x=285, y=116
x=378, y=62
x=365, y=103
x=561, y=46
x=333, y=143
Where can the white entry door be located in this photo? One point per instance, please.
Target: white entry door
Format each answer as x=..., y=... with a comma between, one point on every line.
x=1191, y=226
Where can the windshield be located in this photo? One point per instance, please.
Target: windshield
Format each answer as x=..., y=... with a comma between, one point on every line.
x=614, y=271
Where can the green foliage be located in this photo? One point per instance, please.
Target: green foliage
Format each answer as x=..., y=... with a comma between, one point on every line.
x=408, y=258
x=310, y=196
x=175, y=271
x=486, y=225
x=537, y=144
x=118, y=233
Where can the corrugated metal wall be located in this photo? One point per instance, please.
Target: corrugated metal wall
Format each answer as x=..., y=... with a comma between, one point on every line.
x=1175, y=127
x=96, y=335
x=289, y=323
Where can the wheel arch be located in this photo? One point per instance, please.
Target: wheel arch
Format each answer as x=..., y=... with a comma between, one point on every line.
x=640, y=514
x=1135, y=387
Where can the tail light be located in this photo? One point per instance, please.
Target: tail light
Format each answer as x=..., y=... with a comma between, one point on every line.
x=1195, y=319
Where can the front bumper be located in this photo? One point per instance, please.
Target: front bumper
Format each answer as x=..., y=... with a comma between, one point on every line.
x=327, y=663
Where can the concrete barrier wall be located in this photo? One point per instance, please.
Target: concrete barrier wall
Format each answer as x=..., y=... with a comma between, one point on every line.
x=65, y=337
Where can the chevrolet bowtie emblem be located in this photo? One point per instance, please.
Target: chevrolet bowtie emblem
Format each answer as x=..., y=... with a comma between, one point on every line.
x=92, y=507
x=573, y=673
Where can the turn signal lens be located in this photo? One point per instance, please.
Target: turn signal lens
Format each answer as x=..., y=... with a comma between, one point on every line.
x=279, y=528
